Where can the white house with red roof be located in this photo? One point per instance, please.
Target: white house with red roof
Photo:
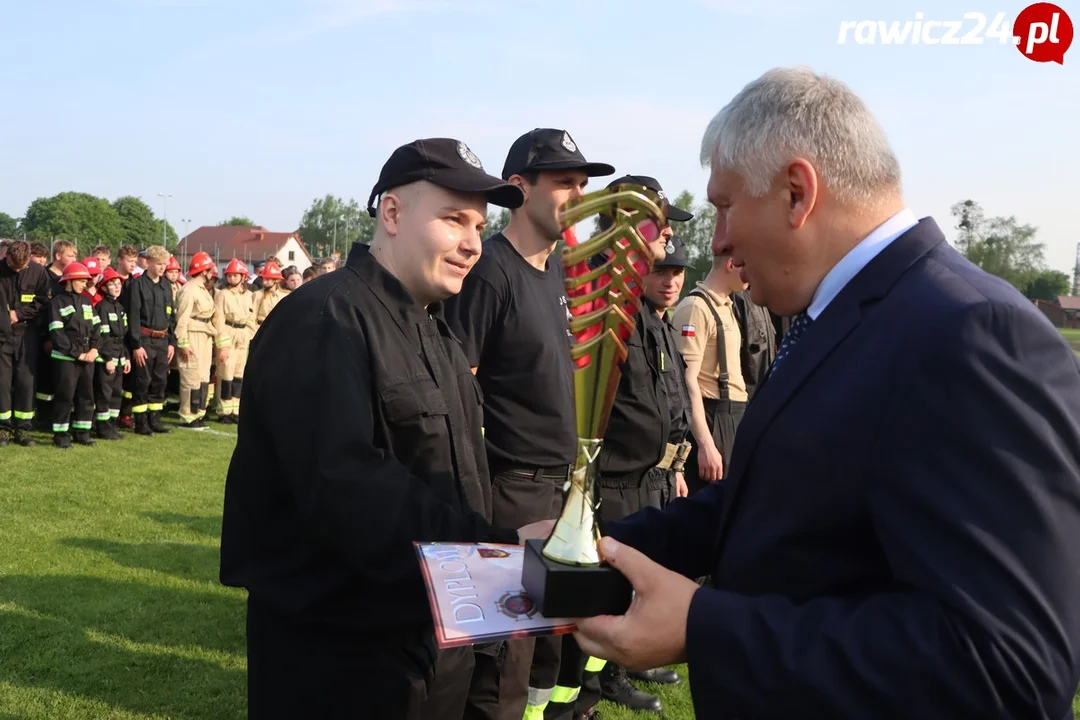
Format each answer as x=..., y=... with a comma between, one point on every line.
x=251, y=244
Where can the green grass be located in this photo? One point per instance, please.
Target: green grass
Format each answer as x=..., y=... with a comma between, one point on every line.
x=110, y=608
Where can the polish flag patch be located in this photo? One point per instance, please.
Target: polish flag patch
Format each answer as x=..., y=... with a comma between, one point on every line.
x=688, y=330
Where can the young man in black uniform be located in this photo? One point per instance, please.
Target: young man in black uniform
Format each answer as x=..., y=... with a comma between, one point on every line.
x=151, y=340
x=27, y=288
x=511, y=317
x=63, y=254
x=75, y=335
x=320, y=515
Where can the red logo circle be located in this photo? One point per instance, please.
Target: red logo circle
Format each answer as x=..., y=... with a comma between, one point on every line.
x=1043, y=32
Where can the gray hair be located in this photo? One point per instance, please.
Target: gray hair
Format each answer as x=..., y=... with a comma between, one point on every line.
x=793, y=112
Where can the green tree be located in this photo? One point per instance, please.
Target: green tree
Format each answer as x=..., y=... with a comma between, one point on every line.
x=84, y=219
x=9, y=226
x=140, y=229
x=496, y=222
x=332, y=224
x=1047, y=285
x=1000, y=246
x=696, y=234
x=236, y=220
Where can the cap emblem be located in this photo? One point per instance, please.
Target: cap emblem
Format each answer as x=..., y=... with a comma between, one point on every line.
x=660, y=194
x=669, y=248
x=568, y=143
x=468, y=156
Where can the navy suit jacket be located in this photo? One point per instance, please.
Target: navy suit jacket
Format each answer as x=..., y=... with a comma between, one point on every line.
x=899, y=535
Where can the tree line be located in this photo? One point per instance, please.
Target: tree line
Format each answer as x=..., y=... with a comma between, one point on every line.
x=1000, y=245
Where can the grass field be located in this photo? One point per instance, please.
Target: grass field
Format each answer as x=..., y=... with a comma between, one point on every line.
x=110, y=607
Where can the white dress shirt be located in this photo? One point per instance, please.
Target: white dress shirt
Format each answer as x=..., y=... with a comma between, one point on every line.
x=858, y=258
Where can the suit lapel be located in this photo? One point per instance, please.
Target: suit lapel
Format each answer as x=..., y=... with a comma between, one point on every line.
x=823, y=336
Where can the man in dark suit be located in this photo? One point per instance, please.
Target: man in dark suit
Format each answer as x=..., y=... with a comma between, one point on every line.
x=899, y=535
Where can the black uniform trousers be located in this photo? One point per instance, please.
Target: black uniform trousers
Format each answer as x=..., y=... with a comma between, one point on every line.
x=43, y=383
x=108, y=392
x=505, y=670
x=18, y=365
x=73, y=397
x=723, y=417
x=338, y=674
x=150, y=379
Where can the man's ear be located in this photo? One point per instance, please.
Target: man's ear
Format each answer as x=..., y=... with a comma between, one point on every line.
x=389, y=212
x=520, y=182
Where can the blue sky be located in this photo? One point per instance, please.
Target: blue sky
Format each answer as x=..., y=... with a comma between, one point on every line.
x=257, y=107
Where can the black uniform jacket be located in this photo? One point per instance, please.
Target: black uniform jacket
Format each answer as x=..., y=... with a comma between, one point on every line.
x=73, y=326
x=361, y=433
x=113, y=326
x=27, y=293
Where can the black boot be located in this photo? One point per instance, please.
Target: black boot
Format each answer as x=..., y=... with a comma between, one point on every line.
x=142, y=424
x=663, y=676
x=616, y=687
x=62, y=440
x=5, y=437
x=114, y=429
x=155, y=423
x=105, y=430
x=21, y=438
x=83, y=438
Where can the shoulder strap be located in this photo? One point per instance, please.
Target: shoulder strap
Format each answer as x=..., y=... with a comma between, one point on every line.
x=721, y=344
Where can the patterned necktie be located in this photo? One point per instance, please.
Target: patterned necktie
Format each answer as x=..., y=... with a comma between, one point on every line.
x=798, y=326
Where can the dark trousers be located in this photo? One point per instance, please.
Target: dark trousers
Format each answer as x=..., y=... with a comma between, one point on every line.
x=73, y=398
x=150, y=379
x=724, y=417
x=43, y=383
x=108, y=392
x=127, y=393
x=505, y=671
x=335, y=674
x=18, y=364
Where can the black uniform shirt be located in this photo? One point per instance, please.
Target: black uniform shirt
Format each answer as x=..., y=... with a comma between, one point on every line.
x=361, y=434
x=512, y=321
x=639, y=425
x=148, y=304
x=28, y=293
x=673, y=374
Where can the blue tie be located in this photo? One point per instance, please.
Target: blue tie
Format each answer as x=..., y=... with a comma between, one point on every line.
x=798, y=326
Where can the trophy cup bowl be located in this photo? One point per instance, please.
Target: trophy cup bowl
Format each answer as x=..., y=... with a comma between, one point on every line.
x=565, y=575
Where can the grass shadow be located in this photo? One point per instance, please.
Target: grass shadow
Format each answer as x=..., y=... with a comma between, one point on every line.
x=207, y=525
x=183, y=560
x=53, y=645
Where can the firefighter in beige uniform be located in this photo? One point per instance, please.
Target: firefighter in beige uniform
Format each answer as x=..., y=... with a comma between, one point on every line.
x=235, y=325
x=271, y=292
x=718, y=392
x=195, y=341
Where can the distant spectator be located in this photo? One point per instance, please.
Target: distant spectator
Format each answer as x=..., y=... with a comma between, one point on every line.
x=126, y=261
x=328, y=265
x=39, y=253
x=310, y=273
x=293, y=278
x=4, y=248
x=104, y=256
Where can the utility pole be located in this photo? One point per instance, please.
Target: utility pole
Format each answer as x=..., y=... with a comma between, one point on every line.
x=165, y=218
x=1076, y=272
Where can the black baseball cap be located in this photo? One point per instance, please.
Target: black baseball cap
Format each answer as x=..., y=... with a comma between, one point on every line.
x=549, y=149
x=448, y=163
x=673, y=213
x=675, y=254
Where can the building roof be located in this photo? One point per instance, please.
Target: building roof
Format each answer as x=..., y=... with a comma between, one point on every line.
x=239, y=241
x=1069, y=302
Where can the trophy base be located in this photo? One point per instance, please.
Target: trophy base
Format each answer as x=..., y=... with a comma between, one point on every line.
x=568, y=591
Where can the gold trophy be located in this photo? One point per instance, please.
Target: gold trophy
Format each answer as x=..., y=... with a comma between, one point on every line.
x=565, y=575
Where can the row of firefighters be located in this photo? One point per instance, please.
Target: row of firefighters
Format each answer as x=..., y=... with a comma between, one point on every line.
x=85, y=351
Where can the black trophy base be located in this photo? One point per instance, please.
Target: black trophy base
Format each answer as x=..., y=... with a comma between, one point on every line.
x=566, y=591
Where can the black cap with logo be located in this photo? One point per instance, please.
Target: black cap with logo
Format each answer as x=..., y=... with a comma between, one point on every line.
x=447, y=163
x=549, y=149
x=673, y=212
x=675, y=254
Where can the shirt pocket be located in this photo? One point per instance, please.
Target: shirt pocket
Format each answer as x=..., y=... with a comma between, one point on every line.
x=417, y=417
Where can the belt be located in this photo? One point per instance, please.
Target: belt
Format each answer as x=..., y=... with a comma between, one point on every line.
x=158, y=334
x=558, y=472
x=236, y=325
x=675, y=456
x=205, y=320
